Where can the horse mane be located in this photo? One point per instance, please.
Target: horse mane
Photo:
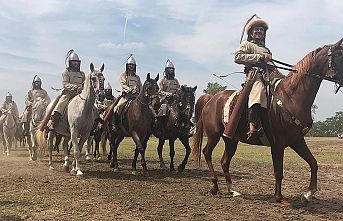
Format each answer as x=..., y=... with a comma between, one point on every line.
x=303, y=66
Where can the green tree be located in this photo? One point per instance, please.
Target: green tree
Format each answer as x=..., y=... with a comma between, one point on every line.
x=213, y=88
x=328, y=128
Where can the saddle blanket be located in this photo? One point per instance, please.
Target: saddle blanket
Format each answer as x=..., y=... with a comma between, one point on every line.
x=228, y=107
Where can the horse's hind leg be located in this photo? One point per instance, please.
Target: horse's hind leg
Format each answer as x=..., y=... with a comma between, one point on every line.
x=277, y=156
x=230, y=150
x=159, y=151
x=185, y=142
x=304, y=152
x=212, y=141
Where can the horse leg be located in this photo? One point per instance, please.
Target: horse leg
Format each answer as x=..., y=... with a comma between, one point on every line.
x=304, y=152
x=140, y=148
x=103, y=143
x=172, y=153
x=277, y=156
x=66, y=152
x=159, y=151
x=114, y=163
x=134, y=162
x=50, y=146
x=33, y=155
x=88, y=147
x=185, y=142
x=230, y=150
x=212, y=141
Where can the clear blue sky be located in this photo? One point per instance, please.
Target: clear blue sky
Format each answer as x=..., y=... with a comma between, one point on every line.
x=198, y=36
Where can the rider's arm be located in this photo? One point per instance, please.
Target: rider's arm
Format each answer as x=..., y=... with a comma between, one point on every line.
x=246, y=54
x=28, y=99
x=66, y=81
x=124, y=87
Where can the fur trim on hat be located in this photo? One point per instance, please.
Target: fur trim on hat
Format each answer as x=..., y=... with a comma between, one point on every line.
x=256, y=22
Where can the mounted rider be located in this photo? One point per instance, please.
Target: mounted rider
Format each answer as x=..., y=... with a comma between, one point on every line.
x=130, y=86
x=106, y=99
x=33, y=95
x=10, y=106
x=72, y=79
x=257, y=61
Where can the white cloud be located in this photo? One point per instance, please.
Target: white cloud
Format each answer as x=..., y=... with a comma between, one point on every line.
x=128, y=45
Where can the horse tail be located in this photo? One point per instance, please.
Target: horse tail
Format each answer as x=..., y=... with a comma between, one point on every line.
x=199, y=129
x=41, y=140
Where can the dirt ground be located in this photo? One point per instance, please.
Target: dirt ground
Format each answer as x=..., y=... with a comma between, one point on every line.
x=29, y=191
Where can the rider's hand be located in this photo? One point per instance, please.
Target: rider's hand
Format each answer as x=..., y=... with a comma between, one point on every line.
x=267, y=57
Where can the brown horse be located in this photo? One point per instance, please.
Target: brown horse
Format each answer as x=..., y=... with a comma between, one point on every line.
x=286, y=121
x=180, y=112
x=137, y=124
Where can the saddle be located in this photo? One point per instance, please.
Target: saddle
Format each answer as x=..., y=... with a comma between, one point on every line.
x=122, y=115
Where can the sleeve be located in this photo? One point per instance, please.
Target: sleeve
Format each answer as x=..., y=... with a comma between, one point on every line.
x=47, y=99
x=139, y=84
x=245, y=54
x=3, y=107
x=124, y=87
x=177, y=82
x=28, y=98
x=15, y=110
x=66, y=81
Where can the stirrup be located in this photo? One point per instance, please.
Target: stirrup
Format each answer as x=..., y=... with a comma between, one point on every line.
x=255, y=133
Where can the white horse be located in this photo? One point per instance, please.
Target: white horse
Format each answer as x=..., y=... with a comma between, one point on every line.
x=37, y=116
x=9, y=127
x=77, y=123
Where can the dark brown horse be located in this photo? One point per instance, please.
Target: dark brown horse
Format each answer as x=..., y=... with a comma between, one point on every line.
x=285, y=122
x=137, y=124
x=180, y=112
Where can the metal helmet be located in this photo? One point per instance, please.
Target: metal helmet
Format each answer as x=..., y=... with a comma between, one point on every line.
x=169, y=64
x=73, y=57
x=37, y=79
x=8, y=94
x=108, y=86
x=131, y=60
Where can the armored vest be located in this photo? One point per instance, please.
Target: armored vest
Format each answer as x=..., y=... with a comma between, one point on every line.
x=169, y=85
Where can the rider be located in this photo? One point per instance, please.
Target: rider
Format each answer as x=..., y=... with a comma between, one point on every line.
x=106, y=99
x=10, y=105
x=253, y=54
x=32, y=96
x=169, y=86
x=130, y=85
x=72, y=80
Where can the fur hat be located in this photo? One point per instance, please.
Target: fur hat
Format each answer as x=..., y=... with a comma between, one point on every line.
x=256, y=22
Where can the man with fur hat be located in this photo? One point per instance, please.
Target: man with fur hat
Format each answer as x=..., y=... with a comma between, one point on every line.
x=255, y=56
x=32, y=96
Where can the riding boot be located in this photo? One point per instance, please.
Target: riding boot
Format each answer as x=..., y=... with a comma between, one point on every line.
x=55, y=119
x=255, y=128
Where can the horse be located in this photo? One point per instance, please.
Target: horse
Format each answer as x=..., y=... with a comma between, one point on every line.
x=19, y=134
x=9, y=127
x=180, y=112
x=37, y=116
x=137, y=124
x=76, y=125
x=285, y=122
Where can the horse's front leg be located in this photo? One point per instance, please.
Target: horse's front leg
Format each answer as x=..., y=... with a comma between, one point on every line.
x=185, y=142
x=172, y=153
x=304, y=152
x=277, y=156
x=50, y=146
x=66, y=154
x=115, y=146
x=159, y=151
x=88, y=147
x=141, y=149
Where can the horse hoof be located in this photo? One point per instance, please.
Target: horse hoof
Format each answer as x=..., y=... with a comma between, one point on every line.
x=66, y=168
x=163, y=166
x=73, y=172
x=99, y=158
x=134, y=172
x=180, y=168
x=305, y=199
x=34, y=158
x=88, y=158
x=234, y=193
x=278, y=199
x=117, y=170
x=51, y=168
x=145, y=173
x=79, y=173
x=214, y=191
x=172, y=168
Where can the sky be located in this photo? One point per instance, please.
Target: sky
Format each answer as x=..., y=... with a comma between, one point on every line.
x=199, y=37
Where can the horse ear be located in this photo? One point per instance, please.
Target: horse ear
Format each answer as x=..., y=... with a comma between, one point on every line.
x=148, y=77
x=91, y=66
x=102, y=67
x=195, y=88
x=338, y=43
x=157, y=77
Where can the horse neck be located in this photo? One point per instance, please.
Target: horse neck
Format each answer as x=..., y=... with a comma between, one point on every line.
x=300, y=88
x=9, y=122
x=88, y=92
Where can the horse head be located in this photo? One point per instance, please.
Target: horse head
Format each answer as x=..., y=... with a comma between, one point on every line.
x=97, y=78
x=150, y=87
x=38, y=110
x=186, y=100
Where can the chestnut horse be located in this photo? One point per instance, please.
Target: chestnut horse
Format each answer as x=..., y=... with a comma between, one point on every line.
x=285, y=122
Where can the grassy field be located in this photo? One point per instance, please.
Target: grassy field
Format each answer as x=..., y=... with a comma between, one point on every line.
x=245, y=153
